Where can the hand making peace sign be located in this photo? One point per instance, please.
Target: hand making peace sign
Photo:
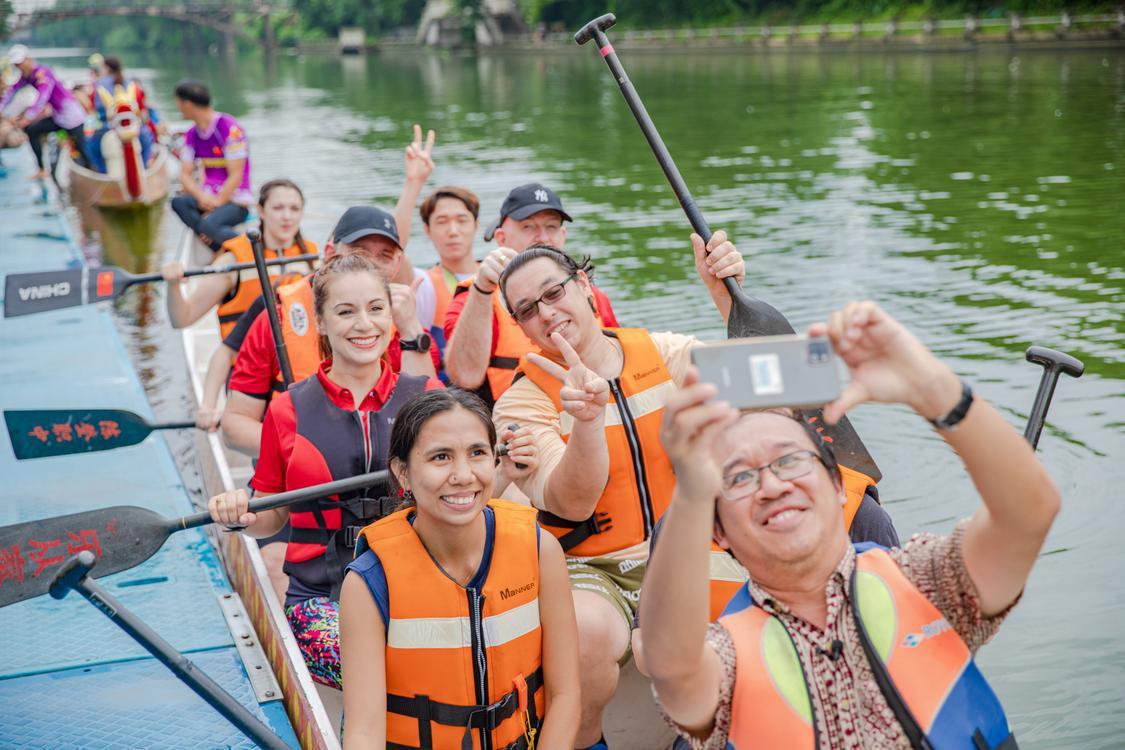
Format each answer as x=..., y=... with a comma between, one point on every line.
x=419, y=161
x=584, y=393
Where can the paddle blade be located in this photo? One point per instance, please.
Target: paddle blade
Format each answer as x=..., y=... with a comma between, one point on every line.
x=41, y=291
x=120, y=537
x=42, y=433
x=750, y=316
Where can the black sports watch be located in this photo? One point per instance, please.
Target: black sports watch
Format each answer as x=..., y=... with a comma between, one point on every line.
x=958, y=412
x=420, y=343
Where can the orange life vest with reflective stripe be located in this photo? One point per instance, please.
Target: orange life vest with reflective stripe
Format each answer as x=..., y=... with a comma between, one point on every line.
x=298, y=327
x=640, y=475
x=725, y=585
x=461, y=657
x=247, y=285
x=923, y=668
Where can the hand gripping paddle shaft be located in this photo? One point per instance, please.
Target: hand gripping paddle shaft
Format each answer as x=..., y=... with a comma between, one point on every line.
x=41, y=291
x=749, y=316
x=121, y=537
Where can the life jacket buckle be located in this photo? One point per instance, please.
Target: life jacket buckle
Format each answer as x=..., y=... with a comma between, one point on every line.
x=351, y=535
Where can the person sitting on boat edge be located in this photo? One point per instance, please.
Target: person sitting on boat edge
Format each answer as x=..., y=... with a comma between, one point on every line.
x=456, y=556
x=66, y=113
x=281, y=205
x=216, y=144
x=602, y=480
x=364, y=230
x=885, y=637
x=332, y=425
x=531, y=214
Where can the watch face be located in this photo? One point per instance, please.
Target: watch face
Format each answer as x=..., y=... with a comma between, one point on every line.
x=420, y=343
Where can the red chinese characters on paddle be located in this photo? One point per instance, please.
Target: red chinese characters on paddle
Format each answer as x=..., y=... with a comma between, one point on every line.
x=65, y=432
x=109, y=429
x=43, y=553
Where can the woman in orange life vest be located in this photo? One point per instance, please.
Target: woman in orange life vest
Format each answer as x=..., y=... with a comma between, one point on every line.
x=329, y=426
x=281, y=206
x=832, y=644
x=458, y=609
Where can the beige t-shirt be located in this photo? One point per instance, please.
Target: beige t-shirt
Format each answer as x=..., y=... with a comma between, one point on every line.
x=525, y=403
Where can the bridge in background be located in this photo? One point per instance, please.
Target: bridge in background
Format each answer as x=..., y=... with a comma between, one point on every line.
x=228, y=17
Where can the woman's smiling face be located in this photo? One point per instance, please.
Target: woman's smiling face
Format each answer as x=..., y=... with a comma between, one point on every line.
x=356, y=318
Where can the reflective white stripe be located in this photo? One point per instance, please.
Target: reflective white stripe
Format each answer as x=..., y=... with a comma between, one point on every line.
x=453, y=632
x=508, y=626
x=430, y=632
x=641, y=404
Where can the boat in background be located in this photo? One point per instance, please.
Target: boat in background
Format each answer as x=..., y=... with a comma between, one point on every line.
x=127, y=181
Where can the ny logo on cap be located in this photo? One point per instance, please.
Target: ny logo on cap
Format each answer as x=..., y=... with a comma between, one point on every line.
x=541, y=196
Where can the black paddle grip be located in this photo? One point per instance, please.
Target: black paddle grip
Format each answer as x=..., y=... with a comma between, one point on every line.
x=599, y=24
x=1053, y=363
x=70, y=575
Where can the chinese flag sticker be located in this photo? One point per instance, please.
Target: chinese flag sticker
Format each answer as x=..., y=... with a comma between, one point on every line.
x=105, y=283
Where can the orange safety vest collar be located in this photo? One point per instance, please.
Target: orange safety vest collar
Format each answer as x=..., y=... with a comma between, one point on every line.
x=463, y=666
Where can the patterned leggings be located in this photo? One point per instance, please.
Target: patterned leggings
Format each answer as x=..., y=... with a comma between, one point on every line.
x=316, y=624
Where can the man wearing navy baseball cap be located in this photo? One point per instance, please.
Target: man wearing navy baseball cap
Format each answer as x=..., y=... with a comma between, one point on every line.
x=532, y=214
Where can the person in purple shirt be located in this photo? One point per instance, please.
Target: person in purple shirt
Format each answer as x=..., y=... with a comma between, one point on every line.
x=66, y=112
x=215, y=200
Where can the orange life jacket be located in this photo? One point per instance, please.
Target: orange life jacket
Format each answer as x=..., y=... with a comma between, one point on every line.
x=640, y=475
x=725, y=586
x=298, y=329
x=462, y=664
x=247, y=286
x=923, y=668
x=444, y=285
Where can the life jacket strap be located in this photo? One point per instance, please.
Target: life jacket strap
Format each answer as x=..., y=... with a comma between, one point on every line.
x=471, y=717
x=580, y=531
x=504, y=363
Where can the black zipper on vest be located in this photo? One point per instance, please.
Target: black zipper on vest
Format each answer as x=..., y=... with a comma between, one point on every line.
x=480, y=660
x=364, y=420
x=636, y=452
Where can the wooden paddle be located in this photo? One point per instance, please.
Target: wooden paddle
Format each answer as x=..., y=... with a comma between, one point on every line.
x=42, y=433
x=121, y=537
x=40, y=291
x=749, y=316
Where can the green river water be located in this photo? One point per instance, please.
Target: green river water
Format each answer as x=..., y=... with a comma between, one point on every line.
x=977, y=196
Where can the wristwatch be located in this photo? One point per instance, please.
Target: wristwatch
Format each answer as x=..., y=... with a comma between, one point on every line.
x=958, y=412
x=420, y=343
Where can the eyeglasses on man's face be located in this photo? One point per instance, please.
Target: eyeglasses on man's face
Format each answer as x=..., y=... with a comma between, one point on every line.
x=550, y=296
x=744, y=483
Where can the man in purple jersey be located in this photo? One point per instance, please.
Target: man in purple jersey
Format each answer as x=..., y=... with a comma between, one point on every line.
x=66, y=112
x=216, y=201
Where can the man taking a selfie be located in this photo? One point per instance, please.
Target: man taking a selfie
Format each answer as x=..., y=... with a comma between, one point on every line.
x=837, y=645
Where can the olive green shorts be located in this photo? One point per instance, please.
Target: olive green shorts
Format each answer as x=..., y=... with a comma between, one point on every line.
x=619, y=581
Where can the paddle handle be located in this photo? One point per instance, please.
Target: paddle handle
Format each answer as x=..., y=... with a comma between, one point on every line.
x=271, y=309
x=283, y=499
x=145, y=278
x=652, y=135
x=74, y=575
x=1054, y=363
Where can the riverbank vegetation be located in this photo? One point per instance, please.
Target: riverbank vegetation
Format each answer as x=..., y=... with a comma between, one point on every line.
x=315, y=20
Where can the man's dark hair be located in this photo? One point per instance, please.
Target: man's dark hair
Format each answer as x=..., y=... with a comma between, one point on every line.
x=194, y=92
x=560, y=258
x=466, y=196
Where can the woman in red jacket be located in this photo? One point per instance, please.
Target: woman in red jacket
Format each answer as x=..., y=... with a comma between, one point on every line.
x=332, y=425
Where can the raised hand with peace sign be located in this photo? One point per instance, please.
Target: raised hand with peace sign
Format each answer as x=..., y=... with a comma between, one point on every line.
x=419, y=159
x=584, y=392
